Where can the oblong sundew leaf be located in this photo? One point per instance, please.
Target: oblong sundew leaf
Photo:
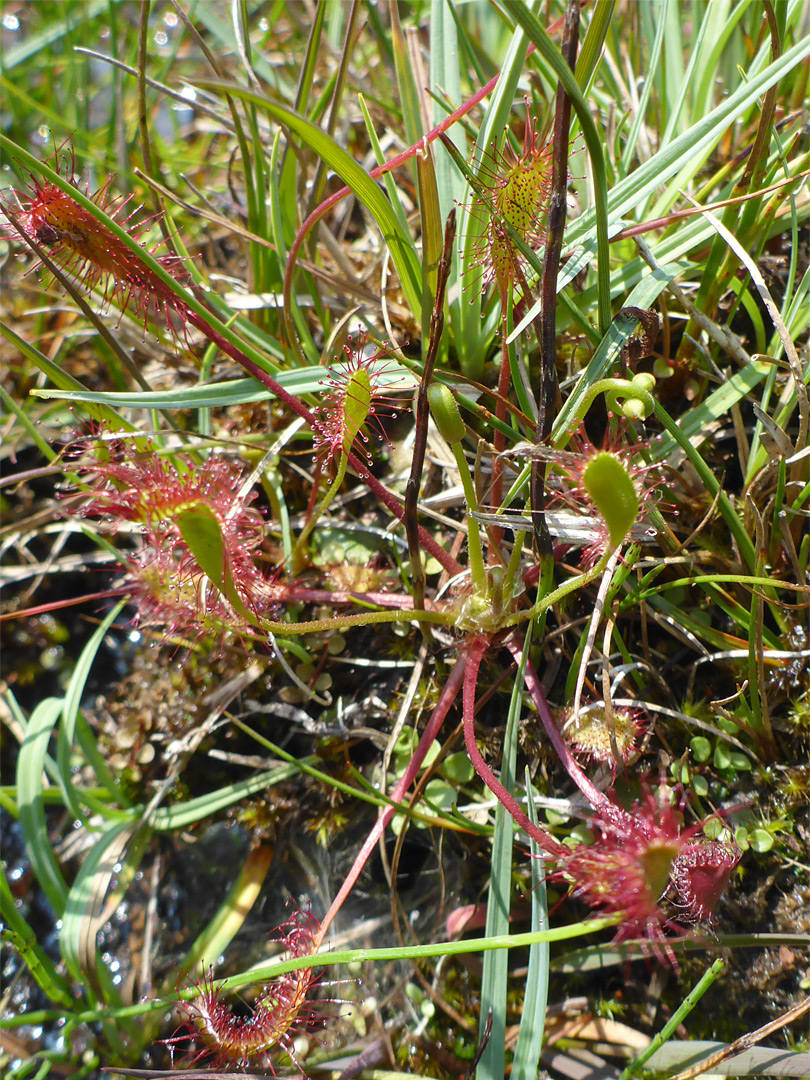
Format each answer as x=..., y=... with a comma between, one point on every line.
x=611, y=487
x=201, y=530
x=356, y=406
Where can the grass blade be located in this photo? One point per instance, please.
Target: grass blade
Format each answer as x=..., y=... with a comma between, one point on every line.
x=535, y=1000
x=30, y=772
x=496, y=965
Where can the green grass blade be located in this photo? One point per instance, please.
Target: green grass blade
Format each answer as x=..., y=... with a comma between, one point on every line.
x=19, y=934
x=168, y=818
x=535, y=998
x=496, y=965
x=652, y=68
x=263, y=972
x=388, y=180
x=445, y=78
x=113, y=858
x=30, y=767
x=593, y=43
x=710, y=482
x=61, y=378
x=298, y=381
x=677, y=1018
x=70, y=712
x=693, y=146
x=406, y=83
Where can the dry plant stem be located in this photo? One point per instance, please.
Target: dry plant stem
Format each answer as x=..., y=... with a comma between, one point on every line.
x=595, y=797
x=423, y=414
x=745, y=1041
x=475, y=653
x=448, y=696
x=722, y=337
x=548, y=285
x=682, y=215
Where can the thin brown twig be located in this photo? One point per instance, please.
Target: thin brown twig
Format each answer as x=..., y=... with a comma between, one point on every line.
x=745, y=1042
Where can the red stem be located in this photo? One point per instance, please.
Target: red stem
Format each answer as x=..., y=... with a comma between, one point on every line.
x=508, y=801
x=56, y=605
x=597, y=799
x=448, y=696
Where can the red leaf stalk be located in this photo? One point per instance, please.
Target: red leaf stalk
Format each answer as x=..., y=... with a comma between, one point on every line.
x=547, y=843
x=596, y=798
x=443, y=705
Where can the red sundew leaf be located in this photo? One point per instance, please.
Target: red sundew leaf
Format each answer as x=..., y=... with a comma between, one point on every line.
x=85, y=248
x=199, y=567
x=357, y=400
x=517, y=189
x=214, y=1033
x=636, y=860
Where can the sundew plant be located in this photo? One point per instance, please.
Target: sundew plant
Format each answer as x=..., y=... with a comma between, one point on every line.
x=404, y=546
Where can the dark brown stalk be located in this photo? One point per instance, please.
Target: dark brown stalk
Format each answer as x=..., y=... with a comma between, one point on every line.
x=411, y=519
x=548, y=285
